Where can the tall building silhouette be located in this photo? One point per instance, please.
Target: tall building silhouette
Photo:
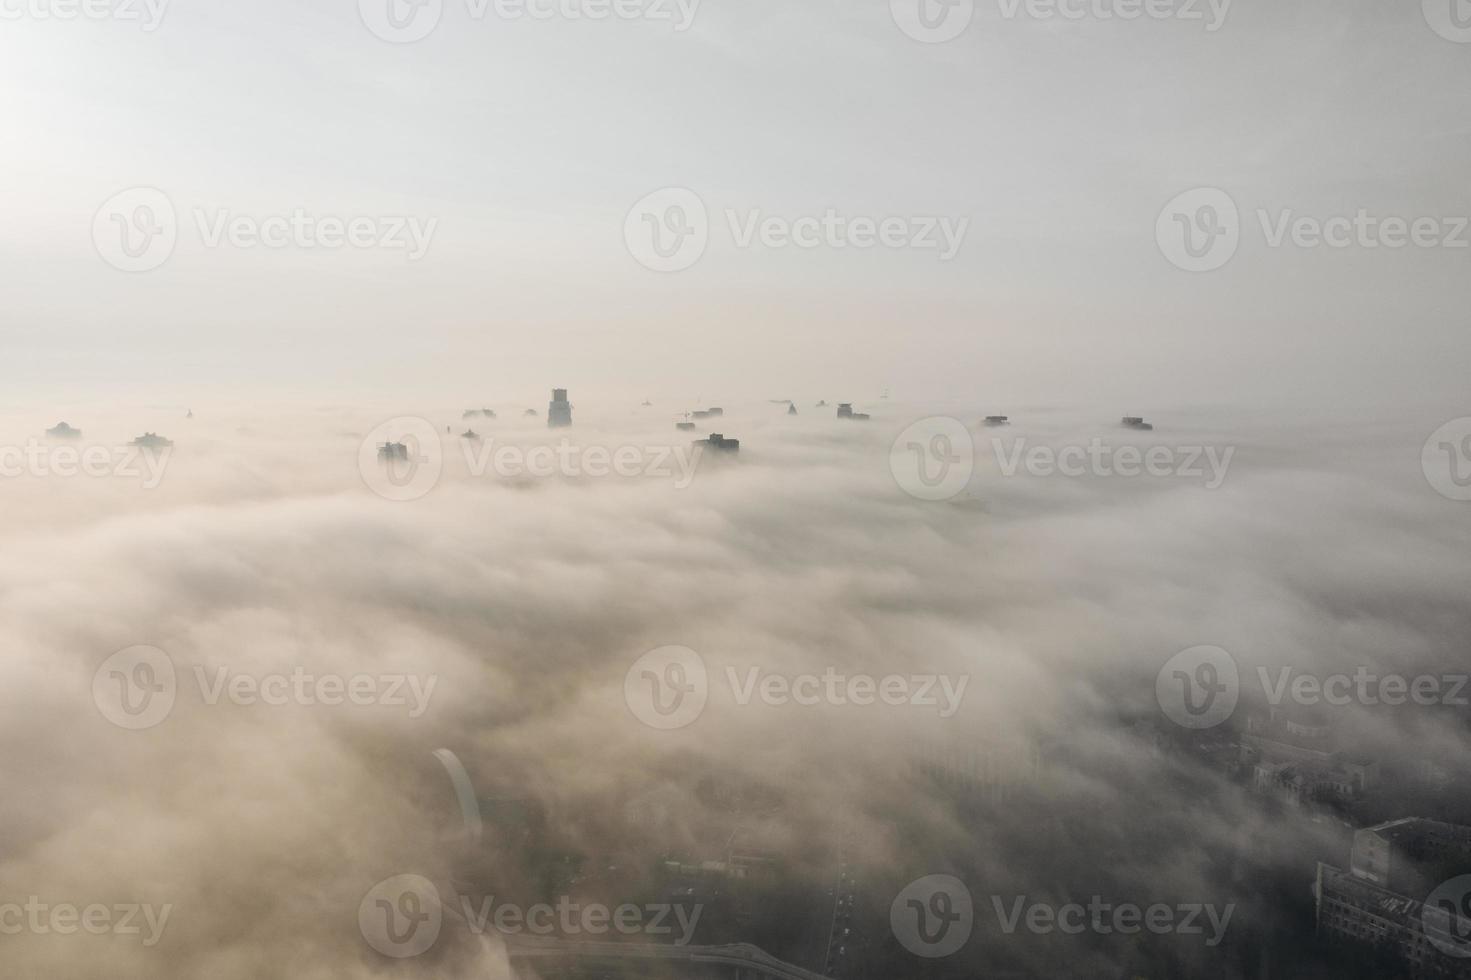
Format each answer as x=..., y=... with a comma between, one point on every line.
x=559, y=412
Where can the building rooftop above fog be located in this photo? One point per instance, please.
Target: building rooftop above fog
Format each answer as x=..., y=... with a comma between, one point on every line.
x=720, y=443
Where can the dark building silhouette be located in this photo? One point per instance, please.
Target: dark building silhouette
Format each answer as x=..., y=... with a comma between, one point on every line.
x=391, y=451
x=63, y=431
x=470, y=434
x=998, y=420
x=845, y=411
x=719, y=443
x=152, y=440
x=1379, y=901
x=792, y=408
x=685, y=426
x=559, y=412
x=1135, y=422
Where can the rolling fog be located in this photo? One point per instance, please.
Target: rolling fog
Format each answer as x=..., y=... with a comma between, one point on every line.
x=1054, y=600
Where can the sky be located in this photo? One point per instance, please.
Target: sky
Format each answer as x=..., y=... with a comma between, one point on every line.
x=1058, y=141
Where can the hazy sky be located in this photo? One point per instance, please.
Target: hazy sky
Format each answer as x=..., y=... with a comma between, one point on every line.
x=527, y=142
